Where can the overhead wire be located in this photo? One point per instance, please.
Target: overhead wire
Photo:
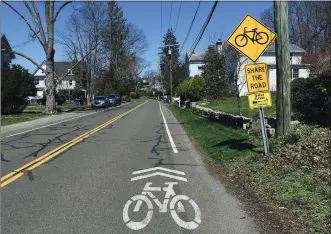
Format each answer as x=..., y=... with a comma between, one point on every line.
x=180, y=6
x=197, y=40
x=161, y=22
x=189, y=30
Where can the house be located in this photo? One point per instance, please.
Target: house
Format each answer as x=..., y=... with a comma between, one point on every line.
x=6, y=56
x=298, y=69
x=60, y=68
x=194, y=63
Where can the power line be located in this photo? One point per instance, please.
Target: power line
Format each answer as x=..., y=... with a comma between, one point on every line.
x=197, y=40
x=161, y=22
x=180, y=6
x=189, y=30
x=170, y=15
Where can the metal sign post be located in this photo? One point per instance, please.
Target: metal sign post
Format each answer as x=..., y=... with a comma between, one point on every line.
x=252, y=38
x=264, y=132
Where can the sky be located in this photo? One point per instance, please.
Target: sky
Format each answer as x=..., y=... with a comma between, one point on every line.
x=145, y=16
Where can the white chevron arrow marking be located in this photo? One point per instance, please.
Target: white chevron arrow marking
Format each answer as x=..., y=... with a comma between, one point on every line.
x=158, y=168
x=160, y=174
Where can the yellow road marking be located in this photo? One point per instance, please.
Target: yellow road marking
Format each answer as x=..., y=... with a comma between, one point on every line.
x=12, y=179
x=55, y=152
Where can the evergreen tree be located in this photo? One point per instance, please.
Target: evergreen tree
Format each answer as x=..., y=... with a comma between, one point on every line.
x=214, y=74
x=16, y=85
x=177, y=67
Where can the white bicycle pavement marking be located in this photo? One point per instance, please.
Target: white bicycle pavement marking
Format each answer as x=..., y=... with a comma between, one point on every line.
x=176, y=206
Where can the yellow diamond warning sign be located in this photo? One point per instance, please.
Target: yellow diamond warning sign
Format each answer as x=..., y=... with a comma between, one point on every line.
x=259, y=100
x=251, y=38
x=257, y=78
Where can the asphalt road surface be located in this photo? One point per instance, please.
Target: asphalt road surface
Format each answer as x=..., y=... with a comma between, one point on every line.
x=119, y=171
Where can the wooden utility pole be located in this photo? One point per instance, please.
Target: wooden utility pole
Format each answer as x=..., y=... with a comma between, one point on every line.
x=170, y=63
x=283, y=102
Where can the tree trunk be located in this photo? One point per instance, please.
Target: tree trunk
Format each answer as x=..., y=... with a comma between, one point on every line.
x=50, y=85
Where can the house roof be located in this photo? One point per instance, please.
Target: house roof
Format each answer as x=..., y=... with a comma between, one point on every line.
x=292, y=48
x=60, y=68
x=197, y=56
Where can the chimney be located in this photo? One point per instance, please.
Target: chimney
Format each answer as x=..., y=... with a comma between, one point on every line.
x=219, y=45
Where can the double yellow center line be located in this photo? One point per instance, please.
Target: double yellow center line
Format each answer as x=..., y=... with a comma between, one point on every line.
x=16, y=174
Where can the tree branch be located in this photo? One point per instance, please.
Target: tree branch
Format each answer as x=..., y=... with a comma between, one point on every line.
x=60, y=79
x=39, y=24
x=60, y=9
x=25, y=20
x=30, y=59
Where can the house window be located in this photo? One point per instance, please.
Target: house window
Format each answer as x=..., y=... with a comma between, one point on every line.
x=36, y=82
x=70, y=73
x=70, y=82
x=295, y=73
x=200, y=68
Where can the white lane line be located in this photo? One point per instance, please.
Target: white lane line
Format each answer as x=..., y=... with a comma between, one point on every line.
x=45, y=126
x=158, y=168
x=168, y=132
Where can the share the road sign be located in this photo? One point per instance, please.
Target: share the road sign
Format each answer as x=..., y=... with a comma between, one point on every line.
x=257, y=78
x=251, y=38
x=259, y=100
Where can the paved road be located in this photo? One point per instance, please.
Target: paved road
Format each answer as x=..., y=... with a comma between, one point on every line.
x=86, y=188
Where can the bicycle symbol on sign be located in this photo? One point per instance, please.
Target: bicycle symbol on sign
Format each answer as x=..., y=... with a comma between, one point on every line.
x=260, y=37
x=175, y=204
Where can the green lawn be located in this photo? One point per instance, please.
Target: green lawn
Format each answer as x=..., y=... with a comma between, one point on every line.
x=304, y=197
x=11, y=119
x=229, y=105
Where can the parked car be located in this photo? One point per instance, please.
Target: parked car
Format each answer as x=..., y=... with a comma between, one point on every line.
x=59, y=100
x=114, y=99
x=100, y=101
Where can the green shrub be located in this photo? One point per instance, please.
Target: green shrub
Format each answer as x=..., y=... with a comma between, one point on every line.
x=16, y=85
x=305, y=147
x=134, y=95
x=126, y=98
x=191, y=88
x=311, y=99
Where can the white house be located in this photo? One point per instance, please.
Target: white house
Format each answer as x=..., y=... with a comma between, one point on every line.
x=269, y=57
x=60, y=68
x=194, y=64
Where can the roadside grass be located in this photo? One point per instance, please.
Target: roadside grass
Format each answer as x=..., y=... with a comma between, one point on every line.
x=17, y=118
x=298, y=200
x=229, y=105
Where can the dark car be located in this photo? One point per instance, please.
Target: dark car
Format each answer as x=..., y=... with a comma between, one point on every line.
x=59, y=100
x=114, y=99
x=100, y=101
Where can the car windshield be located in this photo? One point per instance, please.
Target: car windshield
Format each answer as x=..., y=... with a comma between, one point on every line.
x=111, y=96
x=99, y=98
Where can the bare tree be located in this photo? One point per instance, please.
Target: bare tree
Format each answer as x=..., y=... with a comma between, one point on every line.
x=46, y=39
x=83, y=39
x=234, y=66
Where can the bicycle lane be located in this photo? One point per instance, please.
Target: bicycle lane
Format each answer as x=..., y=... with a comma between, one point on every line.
x=220, y=211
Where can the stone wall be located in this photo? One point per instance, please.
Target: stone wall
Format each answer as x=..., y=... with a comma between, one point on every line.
x=232, y=120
